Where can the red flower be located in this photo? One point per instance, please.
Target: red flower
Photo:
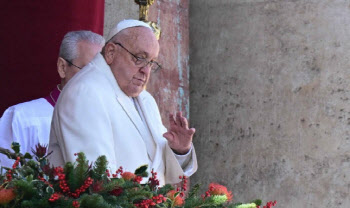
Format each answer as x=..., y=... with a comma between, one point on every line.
x=97, y=186
x=217, y=189
x=128, y=176
x=178, y=201
x=6, y=195
x=40, y=151
x=116, y=192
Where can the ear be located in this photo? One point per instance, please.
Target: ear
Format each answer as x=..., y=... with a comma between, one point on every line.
x=109, y=53
x=61, y=67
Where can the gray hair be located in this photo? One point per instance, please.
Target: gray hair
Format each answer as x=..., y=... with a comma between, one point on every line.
x=69, y=49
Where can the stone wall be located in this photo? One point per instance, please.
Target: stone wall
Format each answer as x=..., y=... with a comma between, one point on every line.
x=269, y=91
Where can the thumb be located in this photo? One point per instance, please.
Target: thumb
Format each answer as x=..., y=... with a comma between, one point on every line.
x=169, y=136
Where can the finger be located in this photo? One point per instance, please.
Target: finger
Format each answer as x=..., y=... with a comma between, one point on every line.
x=192, y=131
x=171, y=119
x=169, y=136
x=179, y=118
x=184, y=122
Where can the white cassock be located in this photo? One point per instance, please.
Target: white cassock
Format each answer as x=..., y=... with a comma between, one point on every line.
x=93, y=115
x=26, y=123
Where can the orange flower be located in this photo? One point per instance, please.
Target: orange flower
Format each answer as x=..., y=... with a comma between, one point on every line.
x=6, y=195
x=128, y=176
x=217, y=189
x=178, y=201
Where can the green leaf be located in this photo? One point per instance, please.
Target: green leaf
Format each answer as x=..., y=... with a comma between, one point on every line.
x=257, y=202
x=15, y=146
x=29, y=178
x=250, y=205
x=28, y=156
x=141, y=170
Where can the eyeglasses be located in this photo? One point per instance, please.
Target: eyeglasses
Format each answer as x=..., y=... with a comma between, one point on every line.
x=72, y=64
x=142, y=62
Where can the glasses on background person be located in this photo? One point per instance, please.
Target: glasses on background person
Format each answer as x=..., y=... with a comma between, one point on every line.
x=72, y=64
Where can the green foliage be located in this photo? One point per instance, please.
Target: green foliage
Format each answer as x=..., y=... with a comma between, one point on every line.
x=77, y=173
x=142, y=171
x=135, y=195
x=110, y=199
x=15, y=146
x=80, y=172
x=194, y=191
x=35, y=203
x=32, y=164
x=100, y=168
x=26, y=171
x=113, y=184
x=38, y=186
x=68, y=168
x=257, y=202
x=165, y=189
x=26, y=189
x=27, y=156
x=250, y=205
x=94, y=201
x=213, y=201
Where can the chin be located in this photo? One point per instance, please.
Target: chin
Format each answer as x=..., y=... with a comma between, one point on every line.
x=135, y=93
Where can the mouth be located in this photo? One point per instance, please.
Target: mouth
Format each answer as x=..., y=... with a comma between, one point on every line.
x=139, y=81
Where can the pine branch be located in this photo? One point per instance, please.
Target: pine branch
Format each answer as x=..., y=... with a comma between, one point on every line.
x=100, y=168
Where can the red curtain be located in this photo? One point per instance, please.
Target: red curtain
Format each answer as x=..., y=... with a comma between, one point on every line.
x=30, y=36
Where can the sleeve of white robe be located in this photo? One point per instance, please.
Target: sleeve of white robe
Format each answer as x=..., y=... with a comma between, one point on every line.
x=81, y=124
x=187, y=162
x=184, y=159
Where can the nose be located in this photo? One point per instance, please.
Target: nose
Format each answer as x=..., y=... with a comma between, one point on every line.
x=146, y=69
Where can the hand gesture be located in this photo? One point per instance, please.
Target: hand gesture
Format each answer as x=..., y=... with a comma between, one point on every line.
x=179, y=136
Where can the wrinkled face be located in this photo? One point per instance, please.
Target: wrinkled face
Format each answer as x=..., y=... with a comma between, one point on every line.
x=142, y=43
x=86, y=52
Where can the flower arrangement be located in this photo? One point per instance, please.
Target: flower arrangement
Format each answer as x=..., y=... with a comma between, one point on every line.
x=33, y=183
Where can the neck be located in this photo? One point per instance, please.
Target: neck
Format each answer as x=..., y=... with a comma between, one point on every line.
x=63, y=83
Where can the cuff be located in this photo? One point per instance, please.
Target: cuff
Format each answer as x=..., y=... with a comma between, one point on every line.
x=184, y=159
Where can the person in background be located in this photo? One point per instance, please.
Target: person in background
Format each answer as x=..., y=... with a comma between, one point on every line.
x=105, y=110
x=29, y=123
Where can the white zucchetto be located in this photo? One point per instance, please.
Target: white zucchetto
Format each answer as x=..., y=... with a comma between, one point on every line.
x=126, y=24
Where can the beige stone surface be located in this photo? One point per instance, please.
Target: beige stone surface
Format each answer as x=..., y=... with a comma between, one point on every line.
x=117, y=10
x=269, y=92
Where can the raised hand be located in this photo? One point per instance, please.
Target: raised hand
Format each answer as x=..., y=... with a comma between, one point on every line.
x=179, y=136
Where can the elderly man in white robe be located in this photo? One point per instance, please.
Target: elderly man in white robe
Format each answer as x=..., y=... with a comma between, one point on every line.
x=29, y=123
x=105, y=110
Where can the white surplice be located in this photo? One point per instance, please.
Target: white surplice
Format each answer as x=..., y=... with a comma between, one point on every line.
x=26, y=123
